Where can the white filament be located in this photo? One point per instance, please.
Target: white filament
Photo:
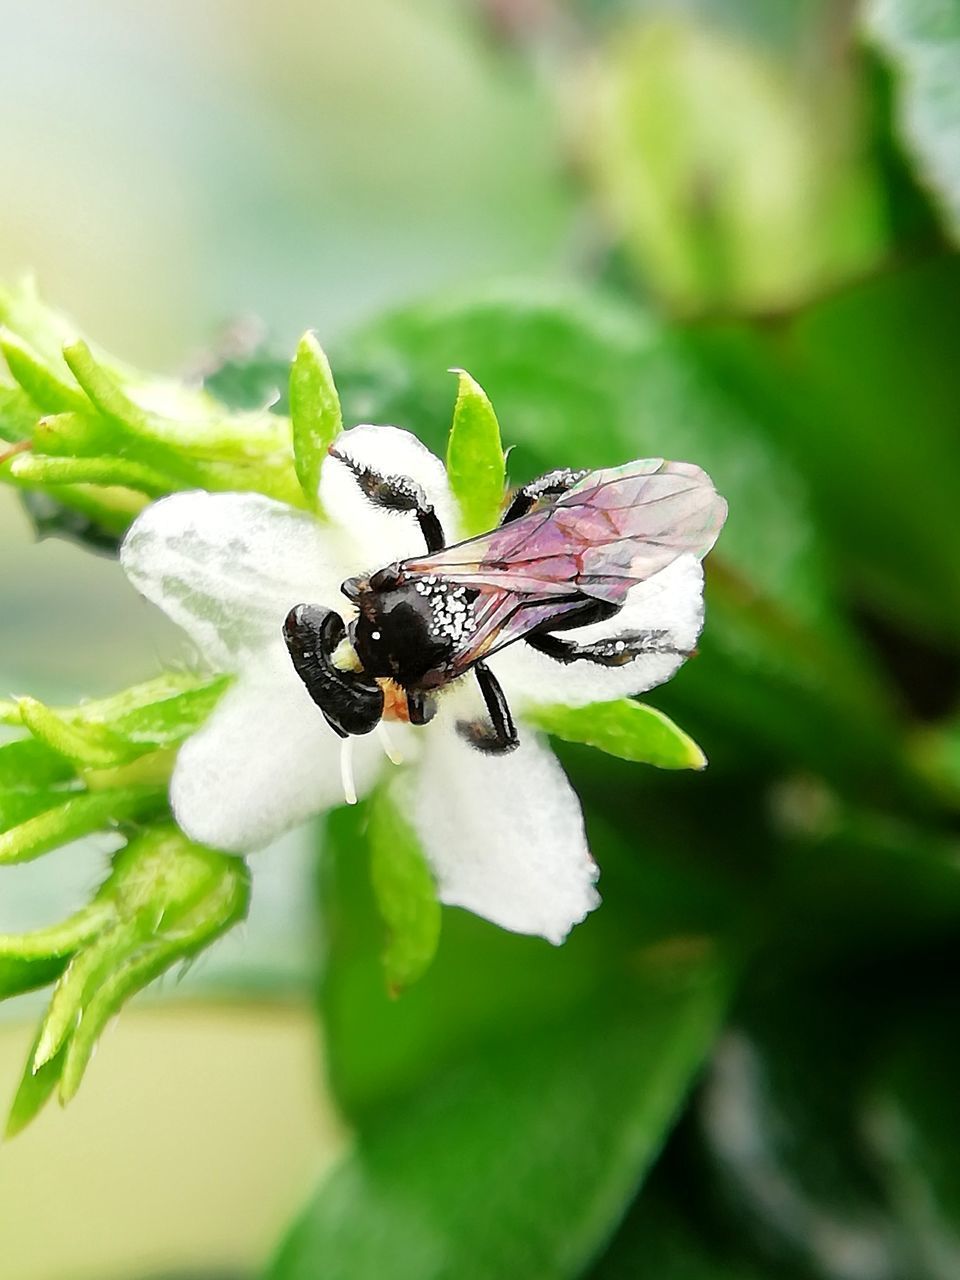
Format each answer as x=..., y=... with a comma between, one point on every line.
x=389, y=748
x=346, y=770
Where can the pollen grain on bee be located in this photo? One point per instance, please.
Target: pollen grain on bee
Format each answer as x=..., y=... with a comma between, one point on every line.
x=451, y=609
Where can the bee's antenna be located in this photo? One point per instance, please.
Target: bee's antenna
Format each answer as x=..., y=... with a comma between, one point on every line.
x=346, y=770
x=389, y=749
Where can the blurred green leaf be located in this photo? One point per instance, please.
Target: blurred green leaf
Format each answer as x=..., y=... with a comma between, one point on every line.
x=486, y=983
x=314, y=414
x=793, y=1113
x=624, y=728
x=910, y=1121
x=874, y=375
x=475, y=461
x=406, y=893
x=922, y=42
x=659, y=1239
x=252, y=381
x=518, y=1162
x=739, y=177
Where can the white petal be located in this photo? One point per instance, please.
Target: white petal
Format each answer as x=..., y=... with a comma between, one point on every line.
x=228, y=567
x=382, y=536
x=504, y=834
x=264, y=761
x=671, y=601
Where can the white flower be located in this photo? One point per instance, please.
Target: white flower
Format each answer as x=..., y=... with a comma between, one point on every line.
x=504, y=835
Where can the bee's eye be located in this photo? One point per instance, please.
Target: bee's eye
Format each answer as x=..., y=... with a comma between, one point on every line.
x=386, y=578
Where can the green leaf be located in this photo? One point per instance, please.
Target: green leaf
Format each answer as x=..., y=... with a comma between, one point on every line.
x=922, y=42
x=406, y=893
x=79, y=815
x=314, y=414
x=561, y=1121
x=623, y=728
x=476, y=463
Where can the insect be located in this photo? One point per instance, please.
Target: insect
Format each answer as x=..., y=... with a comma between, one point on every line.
x=568, y=549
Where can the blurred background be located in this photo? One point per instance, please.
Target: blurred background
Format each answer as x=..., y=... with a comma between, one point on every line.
x=717, y=229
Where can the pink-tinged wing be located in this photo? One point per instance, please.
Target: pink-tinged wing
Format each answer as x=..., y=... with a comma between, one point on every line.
x=614, y=529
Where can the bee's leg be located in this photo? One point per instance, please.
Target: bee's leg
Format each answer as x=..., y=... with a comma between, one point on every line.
x=616, y=651
x=549, y=486
x=351, y=702
x=500, y=735
x=397, y=493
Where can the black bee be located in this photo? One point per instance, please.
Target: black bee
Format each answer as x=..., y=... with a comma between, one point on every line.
x=566, y=553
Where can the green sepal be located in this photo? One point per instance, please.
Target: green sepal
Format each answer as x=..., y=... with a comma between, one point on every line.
x=95, y=518
x=49, y=392
x=112, y=732
x=29, y=765
x=74, y=435
x=17, y=415
x=314, y=414
x=36, y=470
x=476, y=464
x=623, y=728
x=33, y=1092
x=18, y=807
x=90, y=745
x=405, y=891
x=103, y=390
x=164, y=900
x=79, y=815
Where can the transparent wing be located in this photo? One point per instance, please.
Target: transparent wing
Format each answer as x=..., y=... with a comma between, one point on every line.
x=616, y=528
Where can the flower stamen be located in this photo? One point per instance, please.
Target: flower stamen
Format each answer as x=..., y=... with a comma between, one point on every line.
x=389, y=747
x=346, y=771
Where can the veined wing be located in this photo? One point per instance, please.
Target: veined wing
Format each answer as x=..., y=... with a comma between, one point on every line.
x=614, y=529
